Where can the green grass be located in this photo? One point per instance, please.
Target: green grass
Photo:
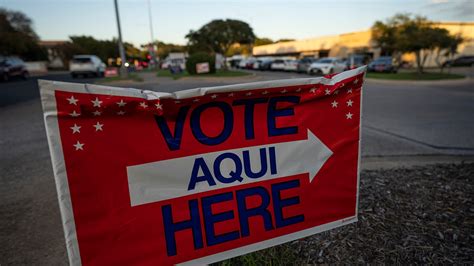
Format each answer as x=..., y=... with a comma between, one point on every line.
x=219, y=73
x=414, y=76
x=131, y=76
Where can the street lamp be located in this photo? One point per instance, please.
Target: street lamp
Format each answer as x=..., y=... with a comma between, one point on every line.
x=123, y=69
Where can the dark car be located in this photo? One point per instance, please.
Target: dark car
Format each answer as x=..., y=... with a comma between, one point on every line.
x=265, y=64
x=460, y=61
x=383, y=64
x=357, y=60
x=304, y=63
x=11, y=67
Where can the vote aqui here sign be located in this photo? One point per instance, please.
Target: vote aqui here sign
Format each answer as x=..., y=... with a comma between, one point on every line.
x=201, y=175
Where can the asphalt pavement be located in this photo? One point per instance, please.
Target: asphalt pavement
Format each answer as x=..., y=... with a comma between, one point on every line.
x=400, y=120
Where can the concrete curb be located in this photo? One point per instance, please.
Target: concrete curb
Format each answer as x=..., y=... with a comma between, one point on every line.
x=407, y=161
x=422, y=82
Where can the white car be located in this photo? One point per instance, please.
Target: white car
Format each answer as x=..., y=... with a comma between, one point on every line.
x=278, y=64
x=328, y=65
x=291, y=65
x=85, y=65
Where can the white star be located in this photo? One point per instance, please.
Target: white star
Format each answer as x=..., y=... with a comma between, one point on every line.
x=327, y=91
x=349, y=115
x=349, y=91
x=121, y=103
x=72, y=100
x=356, y=80
x=74, y=114
x=174, y=102
x=121, y=113
x=76, y=129
x=96, y=102
x=336, y=92
x=342, y=85
x=78, y=146
x=298, y=90
x=334, y=104
x=143, y=105
x=98, y=126
x=214, y=96
x=97, y=113
x=284, y=91
x=248, y=93
x=196, y=100
x=231, y=94
x=265, y=92
x=313, y=90
x=159, y=106
x=350, y=102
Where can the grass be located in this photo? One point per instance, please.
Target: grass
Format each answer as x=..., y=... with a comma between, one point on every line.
x=414, y=76
x=131, y=76
x=218, y=74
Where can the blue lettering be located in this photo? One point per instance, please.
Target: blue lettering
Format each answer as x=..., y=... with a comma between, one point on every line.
x=273, y=113
x=210, y=219
x=279, y=203
x=199, y=163
x=228, y=123
x=233, y=175
x=248, y=114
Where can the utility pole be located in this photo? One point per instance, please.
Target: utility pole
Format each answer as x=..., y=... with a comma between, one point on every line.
x=152, y=46
x=123, y=69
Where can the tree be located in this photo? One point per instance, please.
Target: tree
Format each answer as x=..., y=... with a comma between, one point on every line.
x=219, y=35
x=404, y=33
x=17, y=36
x=262, y=41
x=285, y=40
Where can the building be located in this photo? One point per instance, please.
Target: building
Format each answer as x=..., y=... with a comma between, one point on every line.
x=345, y=44
x=54, y=57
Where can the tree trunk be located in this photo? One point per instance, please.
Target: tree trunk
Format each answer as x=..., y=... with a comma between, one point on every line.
x=419, y=66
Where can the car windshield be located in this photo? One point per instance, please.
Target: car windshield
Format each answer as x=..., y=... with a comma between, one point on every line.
x=325, y=61
x=82, y=60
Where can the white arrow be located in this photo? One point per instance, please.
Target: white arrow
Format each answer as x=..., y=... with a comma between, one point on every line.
x=167, y=179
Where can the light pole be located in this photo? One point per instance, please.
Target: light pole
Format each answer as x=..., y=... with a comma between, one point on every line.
x=152, y=46
x=123, y=69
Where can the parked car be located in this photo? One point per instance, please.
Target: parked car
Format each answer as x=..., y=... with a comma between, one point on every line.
x=460, y=61
x=357, y=60
x=256, y=64
x=291, y=65
x=304, y=63
x=265, y=64
x=11, y=67
x=86, y=65
x=383, y=64
x=328, y=65
x=278, y=64
x=247, y=63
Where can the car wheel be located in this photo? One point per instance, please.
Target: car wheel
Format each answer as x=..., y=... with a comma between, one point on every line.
x=73, y=75
x=25, y=75
x=331, y=71
x=5, y=77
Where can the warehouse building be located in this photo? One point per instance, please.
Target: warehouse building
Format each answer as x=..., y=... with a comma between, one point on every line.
x=343, y=45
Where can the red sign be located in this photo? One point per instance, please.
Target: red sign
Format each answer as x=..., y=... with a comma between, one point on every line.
x=111, y=72
x=202, y=175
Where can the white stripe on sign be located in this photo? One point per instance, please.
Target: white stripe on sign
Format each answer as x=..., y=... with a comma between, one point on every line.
x=167, y=179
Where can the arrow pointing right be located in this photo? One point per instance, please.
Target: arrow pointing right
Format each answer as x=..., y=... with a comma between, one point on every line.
x=162, y=180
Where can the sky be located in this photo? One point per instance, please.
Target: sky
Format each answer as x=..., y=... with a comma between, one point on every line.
x=173, y=19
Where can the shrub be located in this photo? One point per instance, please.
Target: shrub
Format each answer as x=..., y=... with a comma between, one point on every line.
x=200, y=57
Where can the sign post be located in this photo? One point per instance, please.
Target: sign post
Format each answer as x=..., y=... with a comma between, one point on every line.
x=202, y=175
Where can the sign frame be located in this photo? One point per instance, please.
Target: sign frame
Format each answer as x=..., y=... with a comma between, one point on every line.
x=47, y=93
